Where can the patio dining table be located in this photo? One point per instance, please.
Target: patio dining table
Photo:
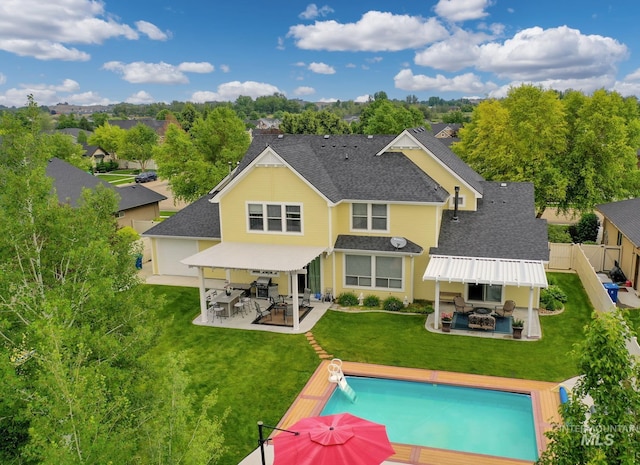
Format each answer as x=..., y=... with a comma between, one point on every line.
x=224, y=300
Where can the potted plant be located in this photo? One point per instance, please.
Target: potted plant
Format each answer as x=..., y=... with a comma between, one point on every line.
x=517, y=326
x=446, y=319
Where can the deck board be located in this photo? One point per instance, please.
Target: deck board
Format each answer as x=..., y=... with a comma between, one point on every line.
x=545, y=401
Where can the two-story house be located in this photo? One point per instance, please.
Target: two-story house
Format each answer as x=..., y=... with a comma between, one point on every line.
x=385, y=215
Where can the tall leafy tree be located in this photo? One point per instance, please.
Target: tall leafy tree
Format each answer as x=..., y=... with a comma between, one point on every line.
x=137, y=145
x=314, y=122
x=390, y=118
x=521, y=138
x=601, y=159
x=189, y=175
x=108, y=137
x=73, y=332
x=221, y=137
x=608, y=433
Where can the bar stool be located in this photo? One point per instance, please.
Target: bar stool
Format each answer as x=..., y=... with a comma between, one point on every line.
x=219, y=312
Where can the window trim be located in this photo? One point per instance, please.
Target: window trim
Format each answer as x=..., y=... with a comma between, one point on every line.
x=461, y=201
x=484, y=293
x=373, y=278
x=284, y=219
x=370, y=217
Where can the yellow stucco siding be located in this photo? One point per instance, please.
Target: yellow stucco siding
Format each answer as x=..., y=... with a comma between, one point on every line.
x=442, y=176
x=275, y=184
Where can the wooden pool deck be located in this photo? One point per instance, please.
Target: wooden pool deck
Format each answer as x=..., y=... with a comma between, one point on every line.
x=544, y=395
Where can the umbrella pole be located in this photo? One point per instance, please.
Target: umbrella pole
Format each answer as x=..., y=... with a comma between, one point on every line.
x=262, y=440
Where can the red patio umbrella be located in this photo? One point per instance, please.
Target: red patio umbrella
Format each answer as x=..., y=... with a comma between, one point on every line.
x=333, y=440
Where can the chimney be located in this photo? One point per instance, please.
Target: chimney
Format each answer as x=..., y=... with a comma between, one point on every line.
x=455, y=204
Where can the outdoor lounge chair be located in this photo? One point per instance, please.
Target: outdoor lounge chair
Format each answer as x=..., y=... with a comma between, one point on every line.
x=305, y=299
x=461, y=306
x=260, y=313
x=507, y=309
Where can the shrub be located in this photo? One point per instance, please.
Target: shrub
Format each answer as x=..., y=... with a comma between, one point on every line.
x=371, y=301
x=392, y=304
x=559, y=234
x=586, y=230
x=347, y=299
x=552, y=297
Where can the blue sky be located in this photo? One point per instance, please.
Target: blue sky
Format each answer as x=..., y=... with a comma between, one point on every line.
x=140, y=51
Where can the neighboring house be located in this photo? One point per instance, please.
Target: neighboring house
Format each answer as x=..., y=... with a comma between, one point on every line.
x=372, y=215
x=446, y=132
x=96, y=154
x=137, y=203
x=621, y=226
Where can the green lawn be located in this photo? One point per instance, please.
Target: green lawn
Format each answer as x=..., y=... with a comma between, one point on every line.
x=117, y=178
x=258, y=374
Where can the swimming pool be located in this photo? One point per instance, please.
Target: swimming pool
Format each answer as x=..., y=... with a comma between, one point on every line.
x=465, y=419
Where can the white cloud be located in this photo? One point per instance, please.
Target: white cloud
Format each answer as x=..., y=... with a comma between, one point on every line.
x=45, y=30
x=50, y=94
x=140, y=72
x=304, y=90
x=586, y=85
x=312, y=11
x=328, y=100
x=362, y=98
x=225, y=68
x=557, y=53
x=230, y=91
x=467, y=83
x=321, y=68
x=399, y=32
x=151, y=30
x=140, y=97
x=191, y=67
x=3, y=78
x=462, y=10
x=457, y=52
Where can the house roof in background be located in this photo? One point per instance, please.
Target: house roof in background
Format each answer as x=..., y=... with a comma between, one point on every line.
x=69, y=182
x=126, y=124
x=374, y=243
x=200, y=219
x=625, y=215
x=504, y=226
x=346, y=167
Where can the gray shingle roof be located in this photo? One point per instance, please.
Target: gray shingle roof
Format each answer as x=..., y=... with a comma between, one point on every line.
x=374, y=243
x=504, y=226
x=69, y=181
x=625, y=215
x=346, y=167
x=446, y=156
x=199, y=219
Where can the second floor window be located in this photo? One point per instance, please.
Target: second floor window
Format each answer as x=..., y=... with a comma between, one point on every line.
x=369, y=216
x=275, y=217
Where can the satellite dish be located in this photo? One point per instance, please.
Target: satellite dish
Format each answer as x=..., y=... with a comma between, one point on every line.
x=398, y=242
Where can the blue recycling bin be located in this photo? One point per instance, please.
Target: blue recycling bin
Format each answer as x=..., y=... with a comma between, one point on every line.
x=612, y=289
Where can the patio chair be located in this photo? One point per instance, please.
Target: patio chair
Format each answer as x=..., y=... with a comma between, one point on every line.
x=460, y=306
x=260, y=313
x=507, y=309
x=305, y=299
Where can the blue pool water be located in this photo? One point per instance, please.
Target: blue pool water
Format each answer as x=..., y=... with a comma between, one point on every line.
x=456, y=418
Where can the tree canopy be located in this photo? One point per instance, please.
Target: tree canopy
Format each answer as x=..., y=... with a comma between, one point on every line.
x=608, y=433
x=577, y=150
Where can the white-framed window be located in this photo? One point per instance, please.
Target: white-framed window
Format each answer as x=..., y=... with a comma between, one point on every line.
x=120, y=214
x=452, y=201
x=379, y=272
x=370, y=216
x=484, y=292
x=274, y=217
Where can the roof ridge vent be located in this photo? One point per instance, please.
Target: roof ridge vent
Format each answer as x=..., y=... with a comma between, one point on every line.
x=326, y=136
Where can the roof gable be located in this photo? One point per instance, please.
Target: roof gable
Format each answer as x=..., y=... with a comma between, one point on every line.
x=625, y=215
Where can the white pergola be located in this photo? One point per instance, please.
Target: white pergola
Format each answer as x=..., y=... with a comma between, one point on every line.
x=476, y=270
x=290, y=259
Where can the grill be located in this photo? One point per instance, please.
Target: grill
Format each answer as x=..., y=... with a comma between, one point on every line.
x=262, y=287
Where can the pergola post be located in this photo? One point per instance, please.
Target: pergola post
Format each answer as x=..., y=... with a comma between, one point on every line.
x=203, y=300
x=293, y=281
x=530, y=311
x=436, y=305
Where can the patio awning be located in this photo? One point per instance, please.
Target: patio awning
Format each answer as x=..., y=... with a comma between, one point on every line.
x=499, y=271
x=251, y=256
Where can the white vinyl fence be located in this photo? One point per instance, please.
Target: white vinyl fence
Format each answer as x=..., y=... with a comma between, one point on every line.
x=601, y=257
